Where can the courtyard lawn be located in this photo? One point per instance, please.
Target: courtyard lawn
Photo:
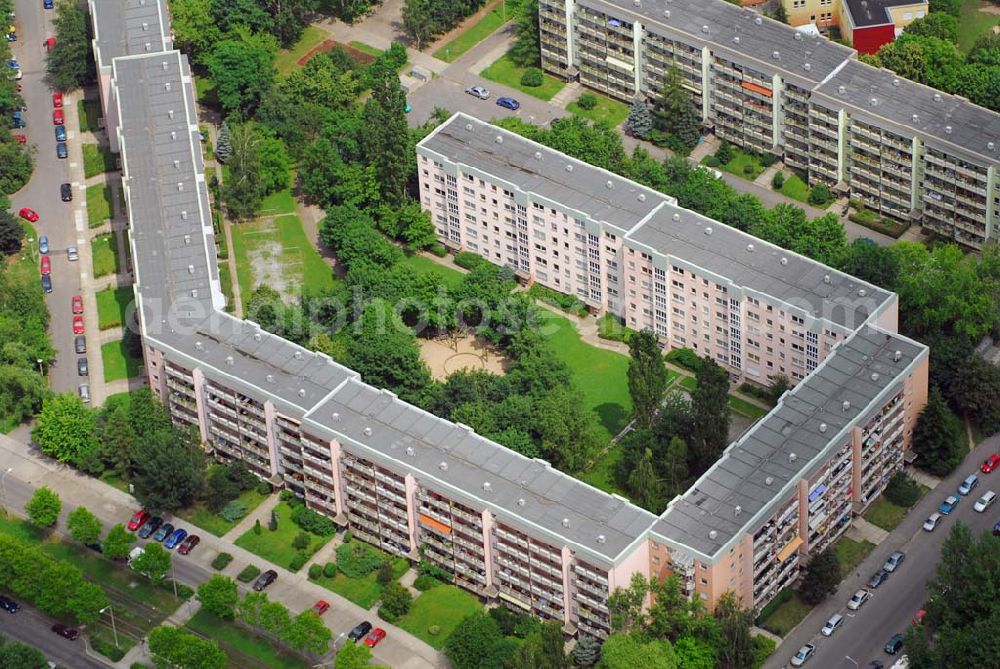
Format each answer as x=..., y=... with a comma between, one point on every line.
x=885, y=514
x=276, y=253
x=98, y=204
x=782, y=619
x=104, y=250
x=474, y=34
x=97, y=159
x=737, y=404
x=740, y=162
x=213, y=522
x=366, y=48
x=287, y=59
x=973, y=23
x=505, y=72
x=795, y=188
x=226, y=283
x=282, y=202
x=112, y=306
x=277, y=546
x=851, y=553
x=362, y=591
x=423, y=265
x=204, y=87
x=88, y=111
x=243, y=648
x=608, y=110
x=443, y=606
x=118, y=364
x=599, y=375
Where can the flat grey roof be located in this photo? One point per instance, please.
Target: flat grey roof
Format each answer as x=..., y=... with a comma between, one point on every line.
x=860, y=371
x=456, y=461
x=867, y=13
x=736, y=33
x=128, y=28
x=910, y=108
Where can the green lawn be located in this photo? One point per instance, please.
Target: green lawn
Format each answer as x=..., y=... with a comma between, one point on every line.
x=851, y=553
x=97, y=160
x=282, y=202
x=475, y=34
x=277, y=546
x=118, y=364
x=226, y=283
x=739, y=162
x=88, y=112
x=737, y=404
x=287, y=59
x=104, y=250
x=242, y=647
x=296, y=264
x=444, y=606
x=423, y=265
x=112, y=306
x=885, y=514
x=973, y=23
x=504, y=71
x=789, y=614
x=204, y=87
x=98, y=204
x=362, y=591
x=795, y=188
x=213, y=522
x=365, y=48
x=611, y=111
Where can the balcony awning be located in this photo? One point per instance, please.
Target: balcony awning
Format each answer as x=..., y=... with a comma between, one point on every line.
x=789, y=548
x=436, y=524
x=757, y=88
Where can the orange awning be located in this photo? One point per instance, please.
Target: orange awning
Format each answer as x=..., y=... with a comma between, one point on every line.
x=789, y=548
x=436, y=524
x=757, y=88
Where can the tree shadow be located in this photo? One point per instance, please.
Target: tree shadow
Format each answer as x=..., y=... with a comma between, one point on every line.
x=612, y=416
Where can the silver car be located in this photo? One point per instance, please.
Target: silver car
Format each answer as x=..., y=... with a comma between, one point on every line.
x=72, y=253
x=894, y=561
x=479, y=92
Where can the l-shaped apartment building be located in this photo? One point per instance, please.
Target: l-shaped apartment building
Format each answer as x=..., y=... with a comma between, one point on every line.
x=907, y=151
x=508, y=527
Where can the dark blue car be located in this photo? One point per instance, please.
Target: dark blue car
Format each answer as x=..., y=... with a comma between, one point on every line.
x=47, y=4
x=60, y=133
x=509, y=103
x=47, y=283
x=61, y=150
x=174, y=539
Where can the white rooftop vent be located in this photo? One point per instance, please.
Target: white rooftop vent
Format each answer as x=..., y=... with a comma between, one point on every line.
x=199, y=346
x=822, y=427
x=895, y=82
x=190, y=269
x=708, y=230
x=736, y=40
x=184, y=215
x=180, y=185
x=148, y=46
x=177, y=164
x=297, y=355
x=784, y=260
x=896, y=356
x=487, y=487
x=173, y=135
x=256, y=336
x=601, y=538
x=569, y=168
x=367, y=431
x=937, y=97
x=990, y=146
x=807, y=67
x=792, y=457
x=170, y=113
x=335, y=416
x=862, y=292
x=145, y=26
x=826, y=278
x=410, y=451
x=194, y=292
x=873, y=102
x=641, y=197
x=302, y=392
x=565, y=522
x=666, y=13
x=737, y=510
x=521, y=501
x=610, y=184
x=499, y=139
x=187, y=239
x=749, y=248
x=947, y=130
x=704, y=29
x=676, y=217
x=166, y=86
x=769, y=480
x=443, y=466
x=637, y=3
x=842, y=89
x=846, y=405
x=798, y=36
x=758, y=20
x=270, y=378
x=712, y=534
x=776, y=55
x=229, y=360
x=874, y=376
x=538, y=155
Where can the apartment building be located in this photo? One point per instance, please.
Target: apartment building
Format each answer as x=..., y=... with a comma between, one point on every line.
x=768, y=87
x=509, y=528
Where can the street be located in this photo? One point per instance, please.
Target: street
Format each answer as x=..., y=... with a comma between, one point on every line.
x=30, y=627
x=893, y=604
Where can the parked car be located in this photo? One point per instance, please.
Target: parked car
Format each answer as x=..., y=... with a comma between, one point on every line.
x=985, y=501
x=66, y=632
x=78, y=325
x=48, y=4
x=138, y=519
x=990, y=464
x=62, y=151
x=29, y=215
x=360, y=630
x=43, y=242
x=835, y=622
x=509, y=103
x=72, y=254
x=188, y=544
x=150, y=526
x=894, y=561
x=996, y=529
x=80, y=344
x=57, y=96
x=66, y=192
x=478, y=92
x=918, y=617
x=859, y=599
x=265, y=579
x=46, y=265
x=878, y=578
x=60, y=133
x=320, y=607
x=932, y=522
x=803, y=655
x=50, y=43
x=83, y=390
x=21, y=139
x=77, y=304
x=968, y=485
x=374, y=637
x=47, y=283
x=17, y=121
x=164, y=532
x=174, y=539
x=948, y=505
x=81, y=367
x=894, y=643
x=9, y=605
x=58, y=118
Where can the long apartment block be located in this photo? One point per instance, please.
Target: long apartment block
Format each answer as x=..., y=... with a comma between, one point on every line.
x=909, y=152
x=509, y=528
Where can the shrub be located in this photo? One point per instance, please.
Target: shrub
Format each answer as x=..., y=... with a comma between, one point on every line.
x=249, y=573
x=712, y=161
x=256, y=527
x=587, y=101
x=315, y=571
x=221, y=561
x=395, y=55
x=748, y=169
x=762, y=646
x=387, y=615
x=313, y=522
x=358, y=559
x=384, y=575
x=783, y=596
x=767, y=159
x=138, y=665
x=467, y=259
x=532, y=77
x=425, y=582
x=298, y=561
x=287, y=496
x=434, y=630
x=902, y=490
x=686, y=358
x=753, y=390
x=820, y=195
x=330, y=569
x=725, y=152
x=348, y=536
x=183, y=591
x=301, y=541
x=568, y=303
x=264, y=488
x=396, y=601
x=234, y=511
x=438, y=249
x=431, y=569
x=272, y=522
x=778, y=180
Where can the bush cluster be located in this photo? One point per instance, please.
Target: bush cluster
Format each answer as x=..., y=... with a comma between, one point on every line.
x=357, y=559
x=313, y=522
x=532, y=77
x=568, y=303
x=587, y=100
x=902, y=490
x=249, y=573
x=221, y=561
x=686, y=358
x=468, y=260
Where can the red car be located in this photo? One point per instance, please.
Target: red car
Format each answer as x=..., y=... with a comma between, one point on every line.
x=50, y=43
x=46, y=265
x=374, y=637
x=991, y=464
x=57, y=100
x=77, y=325
x=77, y=304
x=918, y=617
x=57, y=117
x=29, y=215
x=188, y=544
x=321, y=607
x=66, y=632
x=21, y=139
x=140, y=517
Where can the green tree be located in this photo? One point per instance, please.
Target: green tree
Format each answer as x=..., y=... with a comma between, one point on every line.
x=11, y=233
x=476, y=643
x=308, y=633
x=83, y=526
x=223, y=144
x=275, y=163
x=695, y=653
x=819, y=195
x=938, y=438
x=117, y=444
x=675, y=113
x=526, y=50
x=117, y=543
x=940, y=25
x=396, y=600
x=66, y=428
x=985, y=50
x=675, y=464
x=386, y=354
x=245, y=187
x=218, y=595
x=169, y=472
x=952, y=7
x=645, y=488
x=736, y=648
x=172, y=647
x=154, y=562
x=625, y=604
x=419, y=21
x=552, y=653
x=68, y=60
x=870, y=262
x=640, y=119
x=710, y=401
x=351, y=656
x=822, y=577
x=17, y=655
x=587, y=651
x=43, y=508
x=975, y=390
x=627, y=651
x=647, y=375
x=902, y=490
x=242, y=67
x=386, y=142
x=195, y=28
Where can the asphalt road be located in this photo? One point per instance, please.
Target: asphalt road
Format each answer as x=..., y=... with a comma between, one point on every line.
x=56, y=218
x=30, y=627
x=894, y=603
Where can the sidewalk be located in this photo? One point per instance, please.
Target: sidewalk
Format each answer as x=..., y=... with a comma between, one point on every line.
x=261, y=513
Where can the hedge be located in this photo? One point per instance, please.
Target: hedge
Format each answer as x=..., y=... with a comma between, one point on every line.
x=686, y=358
x=221, y=561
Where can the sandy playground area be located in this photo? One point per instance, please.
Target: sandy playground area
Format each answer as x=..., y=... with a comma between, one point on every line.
x=445, y=356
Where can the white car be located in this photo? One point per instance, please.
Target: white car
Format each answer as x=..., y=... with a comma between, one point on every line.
x=932, y=522
x=894, y=561
x=478, y=92
x=832, y=625
x=984, y=502
x=803, y=655
x=72, y=253
x=858, y=600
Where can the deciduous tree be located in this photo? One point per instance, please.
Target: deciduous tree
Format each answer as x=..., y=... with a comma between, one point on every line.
x=11, y=233
x=526, y=50
x=43, y=508
x=647, y=375
x=710, y=401
x=242, y=67
x=117, y=543
x=172, y=647
x=83, y=526
x=476, y=643
x=66, y=428
x=938, y=438
x=308, y=633
x=627, y=651
x=154, y=562
x=219, y=596
x=822, y=577
x=386, y=142
x=169, y=472
x=17, y=655
x=69, y=59
x=645, y=488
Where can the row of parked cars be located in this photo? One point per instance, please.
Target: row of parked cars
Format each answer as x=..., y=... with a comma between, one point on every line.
x=970, y=483
x=148, y=526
